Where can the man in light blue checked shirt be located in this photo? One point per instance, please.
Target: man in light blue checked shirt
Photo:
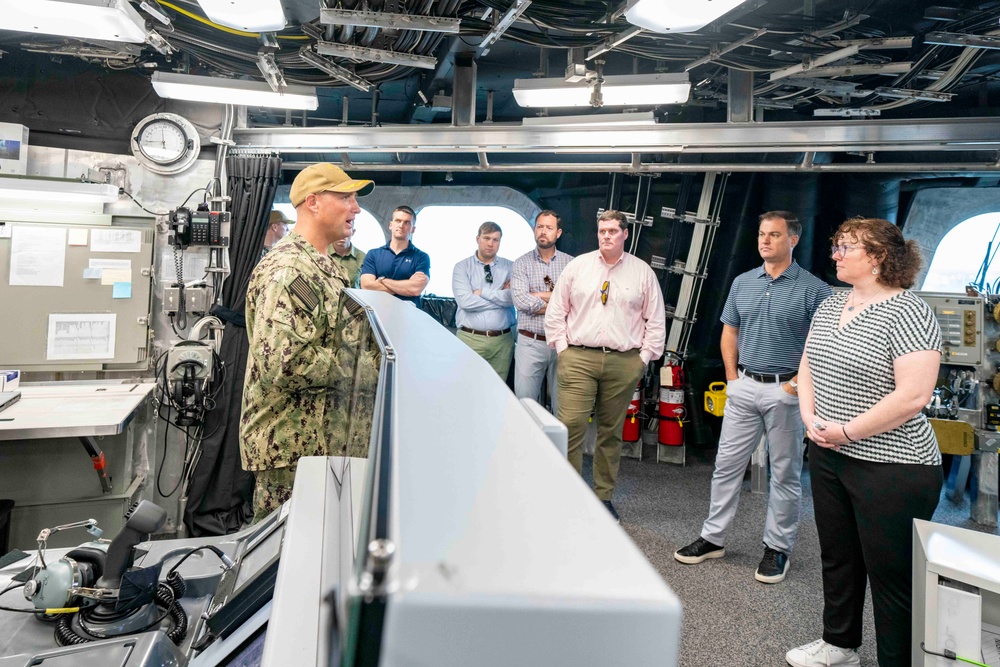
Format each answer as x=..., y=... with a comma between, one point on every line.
x=485, y=317
x=534, y=278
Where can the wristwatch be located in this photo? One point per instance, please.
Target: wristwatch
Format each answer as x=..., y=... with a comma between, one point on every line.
x=794, y=384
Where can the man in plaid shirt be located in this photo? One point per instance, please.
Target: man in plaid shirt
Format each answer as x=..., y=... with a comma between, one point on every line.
x=532, y=281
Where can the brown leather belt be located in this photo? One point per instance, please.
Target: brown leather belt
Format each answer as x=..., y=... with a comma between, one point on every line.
x=531, y=334
x=488, y=334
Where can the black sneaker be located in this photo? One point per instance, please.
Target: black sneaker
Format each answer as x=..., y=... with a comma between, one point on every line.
x=611, y=508
x=773, y=566
x=699, y=550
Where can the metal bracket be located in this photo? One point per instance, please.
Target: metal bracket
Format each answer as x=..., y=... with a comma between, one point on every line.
x=678, y=269
x=389, y=20
x=375, y=55
x=630, y=218
x=690, y=218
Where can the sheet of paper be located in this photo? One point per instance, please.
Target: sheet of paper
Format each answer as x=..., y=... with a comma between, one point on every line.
x=81, y=336
x=5, y=230
x=115, y=240
x=77, y=236
x=92, y=274
x=122, y=291
x=111, y=264
x=195, y=261
x=38, y=256
x=112, y=276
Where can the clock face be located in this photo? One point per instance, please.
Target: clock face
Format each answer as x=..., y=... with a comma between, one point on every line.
x=165, y=143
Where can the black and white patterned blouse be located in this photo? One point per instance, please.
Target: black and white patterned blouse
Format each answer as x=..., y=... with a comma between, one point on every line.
x=852, y=370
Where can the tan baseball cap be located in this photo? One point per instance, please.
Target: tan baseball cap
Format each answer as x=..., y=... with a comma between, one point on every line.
x=277, y=217
x=325, y=177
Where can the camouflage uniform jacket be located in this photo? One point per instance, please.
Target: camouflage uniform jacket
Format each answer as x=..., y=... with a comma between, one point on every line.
x=295, y=365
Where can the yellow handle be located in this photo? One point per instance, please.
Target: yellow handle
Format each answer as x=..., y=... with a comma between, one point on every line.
x=717, y=386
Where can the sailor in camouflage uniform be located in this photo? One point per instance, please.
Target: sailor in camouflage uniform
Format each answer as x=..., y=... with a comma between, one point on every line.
x=296, y=364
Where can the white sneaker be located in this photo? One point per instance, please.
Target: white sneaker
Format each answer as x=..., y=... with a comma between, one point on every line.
x=821, y=654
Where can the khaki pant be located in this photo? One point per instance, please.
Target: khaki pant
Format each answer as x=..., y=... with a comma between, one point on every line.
x=273, y=487
x=603, y=381
x=497, y=350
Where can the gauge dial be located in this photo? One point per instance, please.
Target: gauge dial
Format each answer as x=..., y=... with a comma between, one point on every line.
x=165, y=143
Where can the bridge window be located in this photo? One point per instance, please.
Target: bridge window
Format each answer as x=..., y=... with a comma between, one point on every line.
x=962, y=254
x=368, y=233
x=448, y=235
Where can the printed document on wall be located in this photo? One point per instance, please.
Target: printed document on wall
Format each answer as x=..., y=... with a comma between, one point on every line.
x=38, y=256
x=81, y=336
x=115, y=240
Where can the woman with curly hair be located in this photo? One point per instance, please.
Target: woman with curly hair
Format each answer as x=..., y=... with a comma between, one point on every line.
x=870, y=366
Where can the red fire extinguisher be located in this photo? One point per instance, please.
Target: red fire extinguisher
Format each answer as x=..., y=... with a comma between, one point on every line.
x=630, y=432
x=671, y=406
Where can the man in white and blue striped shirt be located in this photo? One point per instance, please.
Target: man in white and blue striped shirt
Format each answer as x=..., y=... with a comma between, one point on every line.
x=765, y=325
x=534, y=278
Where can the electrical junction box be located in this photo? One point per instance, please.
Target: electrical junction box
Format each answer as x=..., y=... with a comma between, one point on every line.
x=13, y=149
x=961, y=320
x=196, y=300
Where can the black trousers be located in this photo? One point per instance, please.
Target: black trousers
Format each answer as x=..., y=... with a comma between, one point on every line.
x=864, y=515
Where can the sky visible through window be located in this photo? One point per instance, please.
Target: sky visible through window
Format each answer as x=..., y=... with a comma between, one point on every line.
x=448, y=235
x=960, y=255
x=367, y=232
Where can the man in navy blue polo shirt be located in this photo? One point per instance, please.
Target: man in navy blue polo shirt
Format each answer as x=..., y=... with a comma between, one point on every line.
x=765, y=324
x=398, y=267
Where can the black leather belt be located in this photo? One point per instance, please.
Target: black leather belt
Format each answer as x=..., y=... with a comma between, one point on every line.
x=605, y=350
x=768, y=377
x=488, y=334
x=531, y=334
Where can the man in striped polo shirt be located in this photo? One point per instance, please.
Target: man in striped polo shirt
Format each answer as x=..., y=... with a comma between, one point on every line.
x=765, y=324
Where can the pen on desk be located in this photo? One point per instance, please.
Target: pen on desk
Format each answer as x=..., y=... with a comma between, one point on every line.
x=6, y=419
x=133, y=388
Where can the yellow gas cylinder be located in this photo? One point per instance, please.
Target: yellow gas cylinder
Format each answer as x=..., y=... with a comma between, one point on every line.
x=715, y=399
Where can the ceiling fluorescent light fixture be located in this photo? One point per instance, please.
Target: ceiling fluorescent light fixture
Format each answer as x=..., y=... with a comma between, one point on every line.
x=232, y=91
x=247, y=15
x=632, y=119
x=677, y=15
x=56, y=190
x=625, y=90
x=103, y=20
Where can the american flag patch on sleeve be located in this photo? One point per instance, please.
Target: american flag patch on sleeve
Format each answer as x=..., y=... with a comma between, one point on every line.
x=302, y=295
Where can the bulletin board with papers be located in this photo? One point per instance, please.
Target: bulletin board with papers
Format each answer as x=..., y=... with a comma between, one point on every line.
x=75, y=297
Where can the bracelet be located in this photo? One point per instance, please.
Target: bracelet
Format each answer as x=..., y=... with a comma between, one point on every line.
x=843, y=427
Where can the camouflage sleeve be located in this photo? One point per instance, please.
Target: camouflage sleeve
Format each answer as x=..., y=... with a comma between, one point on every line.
x=290, y=339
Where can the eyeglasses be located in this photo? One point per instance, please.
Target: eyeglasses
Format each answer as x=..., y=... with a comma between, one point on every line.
x=604, y=292
x=549, y=285
x=842, y=248
x=489, y=274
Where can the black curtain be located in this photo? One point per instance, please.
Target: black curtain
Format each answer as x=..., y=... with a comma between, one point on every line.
x=220, y=491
